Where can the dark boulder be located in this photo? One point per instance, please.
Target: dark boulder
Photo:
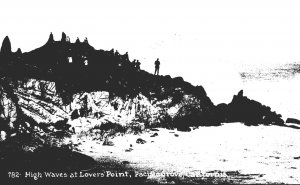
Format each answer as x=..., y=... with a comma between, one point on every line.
x=154, y=135
x=62, y=125
x=250, y=112
x=140, y=141
x=222, y=112
x=110, y=126
x=75, y=114
x=184, y=128
x=293, y=120
x=195, y=115
x=108, y=143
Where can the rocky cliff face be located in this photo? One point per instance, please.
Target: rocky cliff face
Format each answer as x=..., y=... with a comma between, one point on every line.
x=62, y=81
x=46, y=108
x=50, y=107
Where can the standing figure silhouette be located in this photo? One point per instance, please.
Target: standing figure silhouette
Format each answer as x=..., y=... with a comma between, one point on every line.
x=157, y=64
x=138, y=65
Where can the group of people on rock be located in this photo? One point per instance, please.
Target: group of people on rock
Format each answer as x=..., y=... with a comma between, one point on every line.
x=135, y=63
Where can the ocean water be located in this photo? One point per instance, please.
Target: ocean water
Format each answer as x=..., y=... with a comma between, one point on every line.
x=282, y=95
x=276, y=86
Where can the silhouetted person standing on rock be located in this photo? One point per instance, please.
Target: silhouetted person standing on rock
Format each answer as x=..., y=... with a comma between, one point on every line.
x=126, y=57
x=157, y=64
x=138, y=65
x=117, y=53
x=134, y=63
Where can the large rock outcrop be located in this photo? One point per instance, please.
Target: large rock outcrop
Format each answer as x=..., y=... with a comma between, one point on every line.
x=250, y=112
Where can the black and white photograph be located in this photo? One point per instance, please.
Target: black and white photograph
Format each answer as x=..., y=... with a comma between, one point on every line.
x=149, y=92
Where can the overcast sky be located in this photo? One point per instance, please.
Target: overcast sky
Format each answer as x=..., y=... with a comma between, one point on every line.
x=206, y=42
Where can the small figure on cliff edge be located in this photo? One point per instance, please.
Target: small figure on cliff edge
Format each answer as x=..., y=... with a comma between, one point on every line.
x=157, y=64
x=138, y=65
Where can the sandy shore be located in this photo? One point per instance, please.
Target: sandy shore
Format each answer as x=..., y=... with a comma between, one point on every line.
x=262, y=154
